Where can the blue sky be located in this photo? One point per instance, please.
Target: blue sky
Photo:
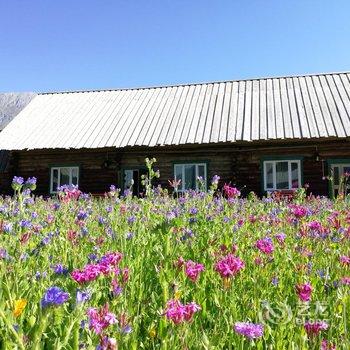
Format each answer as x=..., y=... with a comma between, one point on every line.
x=48, y=45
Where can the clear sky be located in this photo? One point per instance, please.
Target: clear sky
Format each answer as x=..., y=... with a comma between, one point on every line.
x=48, y=45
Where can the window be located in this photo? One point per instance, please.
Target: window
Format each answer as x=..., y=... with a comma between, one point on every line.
x=282, y=175
x=133, y=177
x=189, y=174
x=337, y=172
x=63, y=176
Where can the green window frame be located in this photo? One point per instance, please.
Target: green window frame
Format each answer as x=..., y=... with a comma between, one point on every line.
x=181, y=171
x=332, y=164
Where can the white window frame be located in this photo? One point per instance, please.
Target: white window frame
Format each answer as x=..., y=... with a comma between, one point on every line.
x=181, y=187
x=58, y=168
x=274, y=180
x=341, y=167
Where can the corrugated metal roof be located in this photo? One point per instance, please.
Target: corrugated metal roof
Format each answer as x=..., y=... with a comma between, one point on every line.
x=11, y=103
x=298, y=107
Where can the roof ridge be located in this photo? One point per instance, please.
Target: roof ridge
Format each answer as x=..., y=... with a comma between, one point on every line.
x=191, y=84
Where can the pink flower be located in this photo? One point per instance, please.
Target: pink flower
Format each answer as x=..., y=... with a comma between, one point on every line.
x=345, y=280
x=265, y=245
x=304, y=291
x=100, y=319
x=193, y=269
x=345, y=260
x=190, y=309
x=180, y=262
x=299, y=211
x=315, y=226
x=231, y=192
x=105, y=266
x=326, y=345
x=229, y=266
x=179, y=313
x=314, y=328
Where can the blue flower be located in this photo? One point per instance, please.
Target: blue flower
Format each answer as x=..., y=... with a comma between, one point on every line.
x=59, y=269
x=127, y=329
x=8, y=227
x=82, y=296
x=17, y=182
x=31, y=181
x=54, y=296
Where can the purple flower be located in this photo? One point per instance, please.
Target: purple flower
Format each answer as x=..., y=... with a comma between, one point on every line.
x=17, y=182
x=193, y=211
x=127, y=329
x=31, y=183
x=215, y=180
x=131, y=219
x=59, y=269
x=102, y=221
x=129, y=235
x=4, y=254
x=249, y=330
x=82, y=296
x=54, y=296
x=8, y=227
x=25, y=223
x=82, y=215
x=275, y=281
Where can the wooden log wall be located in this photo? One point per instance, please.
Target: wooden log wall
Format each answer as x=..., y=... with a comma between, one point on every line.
x=240, y=166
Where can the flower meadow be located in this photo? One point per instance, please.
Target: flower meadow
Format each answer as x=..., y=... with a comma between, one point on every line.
x=200, y=270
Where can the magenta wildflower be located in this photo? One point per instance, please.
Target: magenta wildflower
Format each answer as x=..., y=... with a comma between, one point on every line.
x=304, y=291
x=179, y=313
x=193, y=269
x=345, y=280
x=249, y=330
x=326, y=345
x=105, y=266
x=315, y=226
x=345, y=260
x=299, y=211
x=314, y=328
x=229, y=266
x=265, y=245
x=100, y=319
x=231, y=192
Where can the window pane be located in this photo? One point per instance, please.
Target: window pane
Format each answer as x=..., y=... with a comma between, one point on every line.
x=64, y=176
x=346, y=169
x=282, y=175
x=54, y=180
x=74, y=176
x=201, y=171
x=128, y=178
x=190, y=176
x=295, y=175
x=178, y=173
x=336, y=175
x=269, y=175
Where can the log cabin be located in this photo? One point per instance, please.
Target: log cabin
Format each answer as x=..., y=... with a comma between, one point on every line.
x=261, y=135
